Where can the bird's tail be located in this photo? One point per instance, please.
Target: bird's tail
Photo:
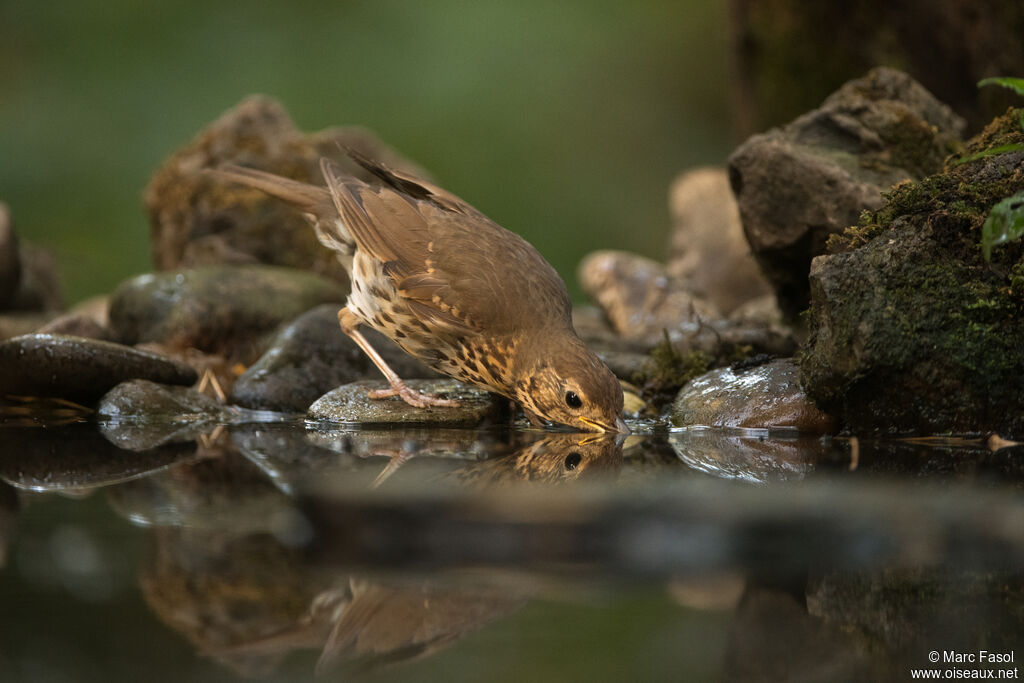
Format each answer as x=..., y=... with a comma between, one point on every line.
x=313, y=201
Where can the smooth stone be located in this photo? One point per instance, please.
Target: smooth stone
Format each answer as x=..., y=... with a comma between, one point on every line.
x=812, y=178
x=198, y=220
x=708, y=250
x=638, y=296
x=143, y=399
x=310, y=357
x=352, y=405
x=226, y=310
x=80, y=369
x=764, y=397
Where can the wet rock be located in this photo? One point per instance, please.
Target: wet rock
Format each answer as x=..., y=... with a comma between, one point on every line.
x=760, y=312
x=708, y=250
x=351, y=404
x=79, y=369
x=764, y=397
x=812, y=178
x=913, y=331
x=10, y=260
x=638, y=296
x=141, y=414
x=311, y=356
x=220, y=309
x=197, y=220
x=77, y=457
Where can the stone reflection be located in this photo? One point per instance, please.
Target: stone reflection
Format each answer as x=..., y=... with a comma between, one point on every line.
x=756, y=456
x=77, y=457
x=231, y=571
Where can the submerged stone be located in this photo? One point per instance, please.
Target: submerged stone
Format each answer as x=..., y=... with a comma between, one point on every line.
x=79, y=369
x=764, y=397
x=220, y=309
x=312, y=356
x=352, y=405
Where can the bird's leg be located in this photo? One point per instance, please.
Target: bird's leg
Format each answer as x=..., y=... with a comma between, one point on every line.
x=350, y=326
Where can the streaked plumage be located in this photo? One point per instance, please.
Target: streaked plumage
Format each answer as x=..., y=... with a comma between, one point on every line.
x=453, y=289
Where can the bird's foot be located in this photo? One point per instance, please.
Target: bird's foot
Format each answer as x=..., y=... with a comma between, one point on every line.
x=413, y=397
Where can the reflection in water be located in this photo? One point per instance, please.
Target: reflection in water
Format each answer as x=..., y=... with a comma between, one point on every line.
x=267, y=539
x=244, y=594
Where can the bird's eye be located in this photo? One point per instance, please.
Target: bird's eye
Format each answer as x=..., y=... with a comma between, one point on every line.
x=572, y=461
x=572, y=399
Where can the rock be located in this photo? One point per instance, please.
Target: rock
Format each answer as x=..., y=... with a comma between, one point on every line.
x=77, y=325
x=638, y=296
x=197, y=220
x=913, y=331
x=143, y=399
x=351, y=404
x=21, y=323
x=812, y=178
x=39, y=288
x=79, y=369
x=218, y=309
x=311, y=356
x=708, y=250
x=764, y=397
x=10, y=260
x=760, y=312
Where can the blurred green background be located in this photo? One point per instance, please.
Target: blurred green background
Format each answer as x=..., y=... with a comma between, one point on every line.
x=564, y=121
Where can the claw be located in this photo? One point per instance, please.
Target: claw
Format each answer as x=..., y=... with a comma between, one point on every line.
x=412, y=397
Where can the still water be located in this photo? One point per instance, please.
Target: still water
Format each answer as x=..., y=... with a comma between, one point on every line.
x=282, y=551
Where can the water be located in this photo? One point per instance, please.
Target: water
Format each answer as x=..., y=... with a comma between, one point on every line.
x=197, y=552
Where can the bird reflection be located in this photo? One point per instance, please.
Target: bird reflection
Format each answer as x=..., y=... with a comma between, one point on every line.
x=554, y=457
x=356, y=621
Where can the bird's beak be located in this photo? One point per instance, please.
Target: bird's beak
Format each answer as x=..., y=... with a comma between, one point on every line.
x=619, y=426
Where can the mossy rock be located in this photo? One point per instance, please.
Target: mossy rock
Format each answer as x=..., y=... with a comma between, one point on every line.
x=911, y=330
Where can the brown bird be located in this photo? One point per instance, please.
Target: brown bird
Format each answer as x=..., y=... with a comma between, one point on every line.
x=453, y=289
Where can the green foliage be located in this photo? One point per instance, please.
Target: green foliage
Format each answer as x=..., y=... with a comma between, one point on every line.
x=1005, y=223
x=991, y=151
x=1014, y=84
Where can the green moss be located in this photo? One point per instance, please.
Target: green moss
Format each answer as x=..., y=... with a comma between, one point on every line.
x=667, y=370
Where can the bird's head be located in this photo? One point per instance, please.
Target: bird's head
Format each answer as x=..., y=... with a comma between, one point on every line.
x=568, y=384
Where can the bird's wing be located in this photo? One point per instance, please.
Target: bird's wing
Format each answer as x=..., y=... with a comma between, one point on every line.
x=458, y=270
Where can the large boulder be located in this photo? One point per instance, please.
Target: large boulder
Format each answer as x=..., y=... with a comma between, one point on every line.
x=196, y=220
x=911, y=329
x=801, y=183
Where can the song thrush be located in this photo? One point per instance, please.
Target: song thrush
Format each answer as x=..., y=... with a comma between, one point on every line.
x=453, y=289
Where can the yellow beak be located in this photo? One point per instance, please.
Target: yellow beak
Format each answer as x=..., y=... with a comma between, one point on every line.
x=619, y=426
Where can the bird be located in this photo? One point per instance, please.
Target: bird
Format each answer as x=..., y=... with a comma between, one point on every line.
x=453, y=289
